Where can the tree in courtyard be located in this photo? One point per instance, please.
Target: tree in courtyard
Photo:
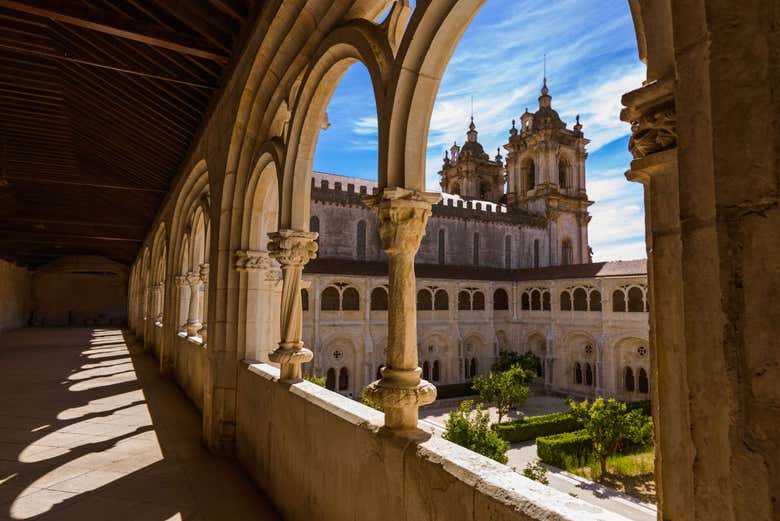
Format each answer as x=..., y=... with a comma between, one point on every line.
x=470, y=427
x=506, y=389
x=610, y=425
x=528, y=361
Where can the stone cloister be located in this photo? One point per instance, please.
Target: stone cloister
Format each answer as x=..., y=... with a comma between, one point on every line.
x=227, y=249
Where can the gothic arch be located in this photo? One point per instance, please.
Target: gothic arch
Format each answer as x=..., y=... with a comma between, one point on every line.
x=357, y=41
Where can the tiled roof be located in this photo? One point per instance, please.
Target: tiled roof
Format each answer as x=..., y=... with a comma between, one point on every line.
x=435, y=271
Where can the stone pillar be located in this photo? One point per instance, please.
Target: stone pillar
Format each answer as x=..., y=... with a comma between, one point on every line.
x=204, y=280
x=182, y=286
x=292, y=249
x=193, y=323
x=651, y=111
x=402, y=217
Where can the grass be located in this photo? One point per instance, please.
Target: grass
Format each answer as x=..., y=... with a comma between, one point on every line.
x=629, y=473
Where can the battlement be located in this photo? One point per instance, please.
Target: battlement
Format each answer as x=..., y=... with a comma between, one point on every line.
x=336, y=189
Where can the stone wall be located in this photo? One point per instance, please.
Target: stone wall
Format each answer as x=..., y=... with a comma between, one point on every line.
x=80, y=291
x=15, y=296
x=322, y=456
x=190, y=362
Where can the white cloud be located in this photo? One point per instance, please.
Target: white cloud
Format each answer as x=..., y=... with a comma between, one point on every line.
x=365, y=126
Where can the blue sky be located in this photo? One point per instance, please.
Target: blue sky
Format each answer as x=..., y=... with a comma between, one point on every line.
x=591, y=61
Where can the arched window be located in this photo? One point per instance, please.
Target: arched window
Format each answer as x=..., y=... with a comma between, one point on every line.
x=435, y=372
x=636, y=301
x=464, y=301
x=475, y=249
x=330, y=379
x=466, y=368
x=536, y=253
x=628, y=376
x=473, y=367
x=426, y=371
x=508, y=252
x=343, y=379
x=441, y=301
x=567, y=253
x=546, y=301
x=588, y=375
x=500, y=300
x=379, y=299
x=563, y=168
x=644, y=383
x=304, y=300
x=525, y=303
x=424, y=300
x=442, y=247
x=536, y=300
x=478, y=304
x=350, y=300
x=330, y=299
x=314, y=226
x=595, y=300
x=455, y=190
x=379, y=372
x=577, y=373
x=580, y=300
x=530, y=174
x=361, y=240
x=565, y=301
x=618, y=300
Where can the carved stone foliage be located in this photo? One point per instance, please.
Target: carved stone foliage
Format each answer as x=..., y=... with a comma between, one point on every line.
x=651, y=112
x=402, y=218
x=292, y=247
x=246, y=260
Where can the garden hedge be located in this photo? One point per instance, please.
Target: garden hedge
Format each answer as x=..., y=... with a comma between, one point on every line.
x=558, y=448
x=532, y=427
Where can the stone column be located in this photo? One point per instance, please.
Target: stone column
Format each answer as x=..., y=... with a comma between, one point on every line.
x=204, y=280
x=182, y=285
x=292, y=249
x=651, y=112
x=193, y=324
x=402, y=217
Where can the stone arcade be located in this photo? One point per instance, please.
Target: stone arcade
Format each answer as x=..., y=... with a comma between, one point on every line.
x=705, y=146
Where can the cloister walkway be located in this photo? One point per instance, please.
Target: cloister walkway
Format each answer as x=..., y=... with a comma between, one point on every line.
x=90, y=430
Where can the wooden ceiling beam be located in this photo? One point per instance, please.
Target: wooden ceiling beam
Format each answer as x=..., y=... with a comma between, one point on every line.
x=72, y=222
x=45, y=180
x=111, y=67
x=38, y=236
x=118, y=27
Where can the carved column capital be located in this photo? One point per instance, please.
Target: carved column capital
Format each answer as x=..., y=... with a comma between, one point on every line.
x=181, y=281
x=193, y=278
x=247, y=260
x=204, y=273
x=292, y=247
x=403, y=215
x=651, y=112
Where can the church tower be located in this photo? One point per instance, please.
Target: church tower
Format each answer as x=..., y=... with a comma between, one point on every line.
x=546, y=175
x=469, y=172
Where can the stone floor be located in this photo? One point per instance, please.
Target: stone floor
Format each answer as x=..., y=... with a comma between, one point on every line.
x=90, y=431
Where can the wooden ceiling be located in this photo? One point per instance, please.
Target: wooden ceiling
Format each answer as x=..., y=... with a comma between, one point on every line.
x=99, y=102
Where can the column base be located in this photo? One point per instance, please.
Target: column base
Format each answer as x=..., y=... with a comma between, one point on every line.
x=290, y=361
x=192, y=329
x=401, y=404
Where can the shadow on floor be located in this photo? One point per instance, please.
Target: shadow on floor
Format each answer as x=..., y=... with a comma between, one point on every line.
x=90, y=430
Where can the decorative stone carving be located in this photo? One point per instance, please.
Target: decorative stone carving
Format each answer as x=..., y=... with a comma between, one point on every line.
x=651, y=112
x=181, y=281
x=252, y=260
x=193, y=323
x=292, y=249
x=204, y=278
x=403, y=215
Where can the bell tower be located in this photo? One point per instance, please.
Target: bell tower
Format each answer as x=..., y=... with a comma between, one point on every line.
x=546, y=175
x=469, y=172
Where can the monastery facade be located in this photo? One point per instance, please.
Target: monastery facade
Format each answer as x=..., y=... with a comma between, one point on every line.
x=504, y=265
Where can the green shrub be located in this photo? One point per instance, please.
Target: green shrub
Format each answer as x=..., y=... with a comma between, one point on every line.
x=469, y=427
x=537, y=472
x=642, y=405
x=365, y=400
x=454, y=390
x=319, y=380
x=561, y=449
x=506, y=389
x=532, y=427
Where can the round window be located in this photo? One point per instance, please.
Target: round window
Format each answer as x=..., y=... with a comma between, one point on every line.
x=641, y=350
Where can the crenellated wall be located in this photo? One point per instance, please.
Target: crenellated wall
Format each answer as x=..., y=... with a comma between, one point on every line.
x=15, y=296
